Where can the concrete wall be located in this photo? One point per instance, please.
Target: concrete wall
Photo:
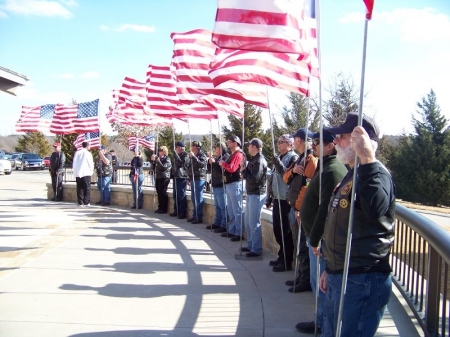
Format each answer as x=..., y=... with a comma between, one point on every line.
x=121, y=195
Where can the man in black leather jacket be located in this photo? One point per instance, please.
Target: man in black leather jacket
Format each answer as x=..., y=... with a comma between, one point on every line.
x=56, y=169
x=220, y=220
x=162, y=165
x=179, y=173
x=197, y=176
x=255, y=175
x=369, y=275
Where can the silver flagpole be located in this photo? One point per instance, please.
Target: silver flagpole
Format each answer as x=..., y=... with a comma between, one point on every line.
x=352, y=204
x=319, y=56
x=154, y=172
x=223, y=182
x=174, y=188
x=193, y=199
x=210, y=185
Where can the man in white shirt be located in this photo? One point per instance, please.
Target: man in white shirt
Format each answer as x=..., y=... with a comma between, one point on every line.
x=83, y=168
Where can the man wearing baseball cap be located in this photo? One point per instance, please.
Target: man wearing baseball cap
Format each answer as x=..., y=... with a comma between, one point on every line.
x=180, y=175
x=104, y=173
x=56, y=169
x=255, y=175
x=369, y=281
x=233, y=187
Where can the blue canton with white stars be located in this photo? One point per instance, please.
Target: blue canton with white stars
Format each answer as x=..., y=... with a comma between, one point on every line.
x=88, y=109
x=47, y=111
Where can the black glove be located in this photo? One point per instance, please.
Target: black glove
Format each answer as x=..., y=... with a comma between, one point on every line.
x=276, y=161
x=269, y=200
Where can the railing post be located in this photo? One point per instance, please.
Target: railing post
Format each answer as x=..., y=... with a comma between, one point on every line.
x=433, y=294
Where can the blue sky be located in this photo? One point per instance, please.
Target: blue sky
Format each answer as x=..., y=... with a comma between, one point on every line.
x=83, y=49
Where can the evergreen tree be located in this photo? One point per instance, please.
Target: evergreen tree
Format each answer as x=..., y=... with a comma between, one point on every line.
x=421, y=162
x=344, y=98
x=296, y=116
x=33, y=142
x=67, y=145
x=252, y=128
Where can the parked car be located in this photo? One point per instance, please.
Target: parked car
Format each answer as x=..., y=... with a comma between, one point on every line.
x=28, y=161
x=126, y=163
x=46, y=161
x=13, y=159
x=5, y=165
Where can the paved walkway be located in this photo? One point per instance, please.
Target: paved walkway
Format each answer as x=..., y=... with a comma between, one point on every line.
x=104, y=272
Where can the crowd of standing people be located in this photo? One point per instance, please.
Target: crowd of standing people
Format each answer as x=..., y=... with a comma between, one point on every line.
x=310, y=190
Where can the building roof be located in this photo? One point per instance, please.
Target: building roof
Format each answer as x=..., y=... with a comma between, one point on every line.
x=10, y=80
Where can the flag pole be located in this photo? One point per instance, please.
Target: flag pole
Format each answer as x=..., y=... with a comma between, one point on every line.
x=319, y=57
x=223, y=182
x=211, y=154
x=155, y=150
x=174, y=188
x=352, y=204
x=242, y=189
x=192, y=184
x=136, y=172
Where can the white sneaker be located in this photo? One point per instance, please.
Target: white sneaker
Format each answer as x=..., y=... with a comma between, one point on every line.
x=80, y=205
x=87, y=205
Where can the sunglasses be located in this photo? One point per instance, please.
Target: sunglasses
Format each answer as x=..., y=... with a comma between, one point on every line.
x=317, y=142
x=281, y=142
x=342, y=136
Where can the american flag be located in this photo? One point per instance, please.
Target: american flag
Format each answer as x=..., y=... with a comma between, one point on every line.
x=259, y=25
x=132, y=90
x=369, y=8
x=146, y=141
x=279, y=70
x=77, y=118
x=309, y=40
x=162, y=99
x=93, y=138
x=130, y=113
x=33, y=119
x=192, y=54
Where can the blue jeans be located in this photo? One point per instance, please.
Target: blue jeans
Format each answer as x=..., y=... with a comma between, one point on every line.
x=366, y=299
x=253, y=208
x=220, y=201
x=179, y=196
x=104, y=188
x=197, y=198
x=234, y=198
x=313, y=281
x=141, y=195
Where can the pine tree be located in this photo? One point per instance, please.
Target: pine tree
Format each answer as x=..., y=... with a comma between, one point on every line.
x=252, y=128
x=33, y=142
x=421, y=162
x=344, y=98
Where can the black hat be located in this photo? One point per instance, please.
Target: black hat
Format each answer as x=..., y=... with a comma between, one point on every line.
x=222, y=146
x=179, y=144
x=351, y=122
x=196, y=144
x=301, y=133
x=235, y=139
x=327, y=136
x=255, y=142
x=111, y=151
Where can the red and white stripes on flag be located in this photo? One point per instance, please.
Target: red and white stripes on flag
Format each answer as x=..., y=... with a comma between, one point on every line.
x=309, y=40
x=277, y=70
x=35, y=119
x=192, y=54
x=93, y=138
x=82, y=117
x=146, y=141
x=130, y=113
x=369, y=8
x=163, y=101
x=132, y=90
x=259, y=25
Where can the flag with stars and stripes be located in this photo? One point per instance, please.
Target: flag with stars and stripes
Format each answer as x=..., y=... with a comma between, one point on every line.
x=76, y=118
x=35, y=119
x=93, y=138
x=146, y=141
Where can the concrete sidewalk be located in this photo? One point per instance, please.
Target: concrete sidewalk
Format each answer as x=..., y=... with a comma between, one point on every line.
x=102, y=272
x=113, y=272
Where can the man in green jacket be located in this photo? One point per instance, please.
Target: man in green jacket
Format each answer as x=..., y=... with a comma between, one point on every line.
x=314, y=211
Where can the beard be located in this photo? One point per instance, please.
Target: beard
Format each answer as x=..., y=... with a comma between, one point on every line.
x=345, y=155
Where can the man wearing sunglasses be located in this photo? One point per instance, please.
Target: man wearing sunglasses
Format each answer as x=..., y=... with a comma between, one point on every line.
x=197, y=176
x=277, y=189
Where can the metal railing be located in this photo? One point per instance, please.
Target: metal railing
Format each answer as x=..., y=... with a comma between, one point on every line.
x=420, y=259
